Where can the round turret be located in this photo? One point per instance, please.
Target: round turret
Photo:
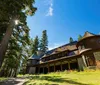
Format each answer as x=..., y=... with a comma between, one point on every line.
x=88, y=42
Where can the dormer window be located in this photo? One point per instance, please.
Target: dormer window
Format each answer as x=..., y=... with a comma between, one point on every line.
x=71, y=53
x=81, y=47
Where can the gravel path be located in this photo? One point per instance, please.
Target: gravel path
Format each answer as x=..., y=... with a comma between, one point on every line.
x=14, y=81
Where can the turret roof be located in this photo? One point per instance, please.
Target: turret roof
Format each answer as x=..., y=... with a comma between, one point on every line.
x=34, y=57
x=87, y=34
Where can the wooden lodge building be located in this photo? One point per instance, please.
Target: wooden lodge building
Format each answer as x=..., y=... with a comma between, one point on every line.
x=76, y=55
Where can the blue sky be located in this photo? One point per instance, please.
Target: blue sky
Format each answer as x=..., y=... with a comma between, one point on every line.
x=64, y=18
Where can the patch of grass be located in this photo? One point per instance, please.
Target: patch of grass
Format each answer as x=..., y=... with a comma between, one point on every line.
x=66, y=78
x=3, y=79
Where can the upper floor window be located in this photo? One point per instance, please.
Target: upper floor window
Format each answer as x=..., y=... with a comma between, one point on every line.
x=81, y=47
x=71, y=53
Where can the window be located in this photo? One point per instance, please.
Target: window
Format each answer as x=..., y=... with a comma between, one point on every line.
x=81, y=47
x=90, y=61
x=71, y=53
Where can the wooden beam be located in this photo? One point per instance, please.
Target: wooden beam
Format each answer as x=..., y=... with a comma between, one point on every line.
x=43, y=69
x=54, y=67
x=61, y=66
x=38, y=70
x=48, y=68
x=68, y=65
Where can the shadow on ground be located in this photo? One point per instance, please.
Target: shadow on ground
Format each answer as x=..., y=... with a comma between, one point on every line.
x=13, y=81
x=10, y=82
x=54, y=79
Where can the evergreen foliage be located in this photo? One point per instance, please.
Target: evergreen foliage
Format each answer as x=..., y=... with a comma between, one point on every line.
x=35, y=45
x=79, y=37
x=44, y=42
x=14, y=39
x=71, y=39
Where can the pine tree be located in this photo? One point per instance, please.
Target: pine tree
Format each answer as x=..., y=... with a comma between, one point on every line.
x=10, y=10
x=17, y=51
x=44, y=42
x=79, y=37
x=35, y=45
x=71, y=39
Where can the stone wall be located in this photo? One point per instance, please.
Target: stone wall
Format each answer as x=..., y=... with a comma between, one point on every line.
x=97, y=57
x=32, y=70
x=81, y=63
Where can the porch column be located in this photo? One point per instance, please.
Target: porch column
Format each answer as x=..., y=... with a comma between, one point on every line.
x=43, y=69
x=48, y=68
x=68, y=65
x=61, y=66
x=54, y=67
x=38, y=70
x=83, y=57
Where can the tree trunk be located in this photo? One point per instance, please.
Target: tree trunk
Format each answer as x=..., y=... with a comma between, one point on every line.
x=4, y=43
x=15, y=75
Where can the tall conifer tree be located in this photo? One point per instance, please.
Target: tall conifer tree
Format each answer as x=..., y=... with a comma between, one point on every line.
x=79, y=37
x=35, y=45
x=71, y=39
x=44, y=42
x=10, y=11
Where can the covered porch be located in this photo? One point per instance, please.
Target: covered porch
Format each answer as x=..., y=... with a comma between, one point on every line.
x=65, y=63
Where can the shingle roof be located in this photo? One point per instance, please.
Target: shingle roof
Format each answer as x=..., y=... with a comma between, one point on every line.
x=34, y=57
x=49, y=52
x=70, y=46
x=87, y=34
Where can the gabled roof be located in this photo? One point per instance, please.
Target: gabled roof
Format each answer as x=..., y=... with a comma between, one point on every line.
x=88, y=34
x=50, y=52
x=69, y=47
x=34, y=57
